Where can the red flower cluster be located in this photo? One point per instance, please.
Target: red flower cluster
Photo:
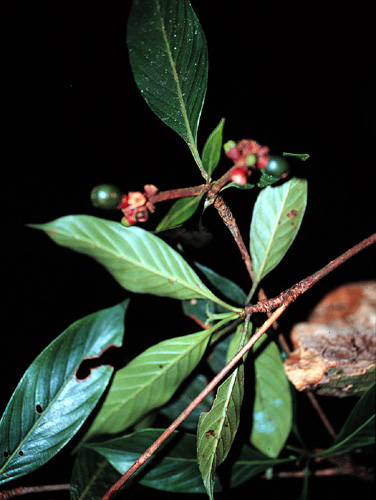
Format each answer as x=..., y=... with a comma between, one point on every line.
x=245, y=154
x=136, y=206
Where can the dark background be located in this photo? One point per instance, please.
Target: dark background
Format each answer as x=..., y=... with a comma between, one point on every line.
x=299, y=81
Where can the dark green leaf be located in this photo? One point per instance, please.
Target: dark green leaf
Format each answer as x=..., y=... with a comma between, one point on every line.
x=276, y=218
x=180, y=211
x=138, y=260
x=272, y=410
x=169, y=59
x=173, y=467
x=266, y=180
x=92, y=476
x=50, y=404
x=359, y=429
x=212, y=149
x=184, y=398
x=176, y=471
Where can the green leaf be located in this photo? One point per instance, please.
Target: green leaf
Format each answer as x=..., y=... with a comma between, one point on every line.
x=359, y=428
x=272, y=411
x=301, y=156
x=92, y=476
x=199, y=309
x=173, y=467
x=244, y=187
x=217, y=429
x=174, y=471
x=148, y=382
x=138, y=260
x=212, y=149
x=266, y=180
x=50, y=404
x=179, y=212
x=277, y=215
x=169, y=59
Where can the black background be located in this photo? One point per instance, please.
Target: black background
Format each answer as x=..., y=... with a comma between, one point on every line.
x=296, y=80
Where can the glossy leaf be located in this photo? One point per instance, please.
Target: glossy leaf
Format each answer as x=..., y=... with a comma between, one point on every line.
x=212, y=149
x=176, y=471
x=169, y=59
x=50, y=404
x=272, y=410
x=277, y=215
x=180, y=211
x=138, y=260
x=148, y=382
x=92, y=476
x=217, y=429
x=173, y=467
x=359, y=428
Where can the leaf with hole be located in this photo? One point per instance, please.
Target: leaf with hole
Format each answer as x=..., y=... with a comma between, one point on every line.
x=138, y=260
x=50, y=404
x=276, y=218
x=169, y=59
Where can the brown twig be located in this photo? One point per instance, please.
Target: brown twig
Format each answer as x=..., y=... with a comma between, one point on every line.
x=24, y=490
x=211, y=189
x=299, y=288
x=227, y=217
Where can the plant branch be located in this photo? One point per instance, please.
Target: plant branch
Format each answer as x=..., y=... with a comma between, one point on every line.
x=24, y=490
x=211, y=188
x=280, y=303
x=298, y=289
x=230, y=223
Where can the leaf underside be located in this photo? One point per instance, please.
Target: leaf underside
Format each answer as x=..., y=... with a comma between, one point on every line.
x=276, y=218
x=138, y=260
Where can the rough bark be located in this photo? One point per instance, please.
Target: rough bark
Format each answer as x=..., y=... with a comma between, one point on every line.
x=335, y=350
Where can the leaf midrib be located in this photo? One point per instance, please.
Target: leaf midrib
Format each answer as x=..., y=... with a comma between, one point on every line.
x=162, y=373
x=116, y=254
x=189, y=138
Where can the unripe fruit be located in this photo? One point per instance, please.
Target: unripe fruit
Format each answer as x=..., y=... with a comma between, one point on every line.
x=277, y=167
x=106, y=196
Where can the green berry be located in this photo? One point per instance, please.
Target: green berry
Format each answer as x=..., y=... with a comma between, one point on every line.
x=276, y=167
x=106, y=196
